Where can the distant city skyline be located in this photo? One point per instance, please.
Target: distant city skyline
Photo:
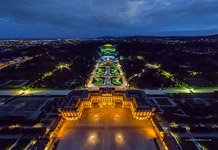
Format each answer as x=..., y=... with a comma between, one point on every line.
x=97, y=18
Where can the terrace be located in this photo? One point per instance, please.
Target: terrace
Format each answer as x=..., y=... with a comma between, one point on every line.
x=107, y=128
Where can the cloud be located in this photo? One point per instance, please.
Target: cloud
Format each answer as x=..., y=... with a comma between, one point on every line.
x=103, y=17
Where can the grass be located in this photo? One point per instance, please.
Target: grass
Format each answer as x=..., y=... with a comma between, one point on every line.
x=98, y=81
x=115, y=71
x=100, y=71
x=117, y=81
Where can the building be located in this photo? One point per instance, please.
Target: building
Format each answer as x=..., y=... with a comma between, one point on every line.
x=74, y=105
x=139, y=104
x=135, y=100
x=48, y=140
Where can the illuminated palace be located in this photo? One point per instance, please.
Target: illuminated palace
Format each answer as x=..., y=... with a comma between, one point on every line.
x=107, y=86
x=135, y=100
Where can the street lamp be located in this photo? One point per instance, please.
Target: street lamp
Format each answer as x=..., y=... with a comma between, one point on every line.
x=96, y=117
x=119, y=138
x=92, y=139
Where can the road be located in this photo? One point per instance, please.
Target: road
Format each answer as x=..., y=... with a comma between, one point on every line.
x=168, y=91
x=33, y=92
x=65, y=92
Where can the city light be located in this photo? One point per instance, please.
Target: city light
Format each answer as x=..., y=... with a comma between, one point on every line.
x=92, y=139
x=96, y=117
x=150, y=133
x=62, y=66
x=119, y=138
x=24, y=92
x=173, y=124
x=187, y=128
x=108, y=111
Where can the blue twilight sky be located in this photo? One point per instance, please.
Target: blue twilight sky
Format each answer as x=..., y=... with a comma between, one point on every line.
x=95, y=18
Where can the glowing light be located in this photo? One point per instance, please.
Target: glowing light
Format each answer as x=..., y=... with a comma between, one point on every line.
x=194, y=73
x=108, y=45
x=24, y=92
x=140, y=57
x=92, y=139
x=188, y=90
x=167, y=74
x=153, y=66
x=176, y=137
x=187, y=128
x=191, y=90
x=47, y=74
x=173, y=124
x=150, y=133
x=119, y=139
x=96, y=116
x=21, y=92
x=33, y=142
x=62, y=133
x=38, y=125
x=14, y=126
x=62, y=66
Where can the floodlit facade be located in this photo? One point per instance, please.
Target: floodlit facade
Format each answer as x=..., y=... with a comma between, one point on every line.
x=107, y=87
x=139, y=111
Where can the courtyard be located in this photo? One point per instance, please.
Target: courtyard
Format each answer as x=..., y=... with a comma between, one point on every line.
x=107, y=129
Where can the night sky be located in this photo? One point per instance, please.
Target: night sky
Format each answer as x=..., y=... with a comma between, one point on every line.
x=96, y=18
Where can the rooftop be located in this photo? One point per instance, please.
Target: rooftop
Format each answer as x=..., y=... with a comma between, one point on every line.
x=141, y=98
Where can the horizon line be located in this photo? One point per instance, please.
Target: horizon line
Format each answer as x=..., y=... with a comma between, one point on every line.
x=113, y=36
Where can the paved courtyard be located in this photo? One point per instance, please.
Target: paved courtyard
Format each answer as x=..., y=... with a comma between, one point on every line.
x=107, y=129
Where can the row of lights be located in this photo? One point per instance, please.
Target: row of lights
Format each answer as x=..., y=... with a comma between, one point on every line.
x=93, y=139
x=96, y=116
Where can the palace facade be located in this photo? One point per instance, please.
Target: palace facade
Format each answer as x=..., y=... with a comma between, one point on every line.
x=135, y=100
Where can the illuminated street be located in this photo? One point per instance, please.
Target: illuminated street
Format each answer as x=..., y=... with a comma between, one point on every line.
x=107, y=129
x=36, y=92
